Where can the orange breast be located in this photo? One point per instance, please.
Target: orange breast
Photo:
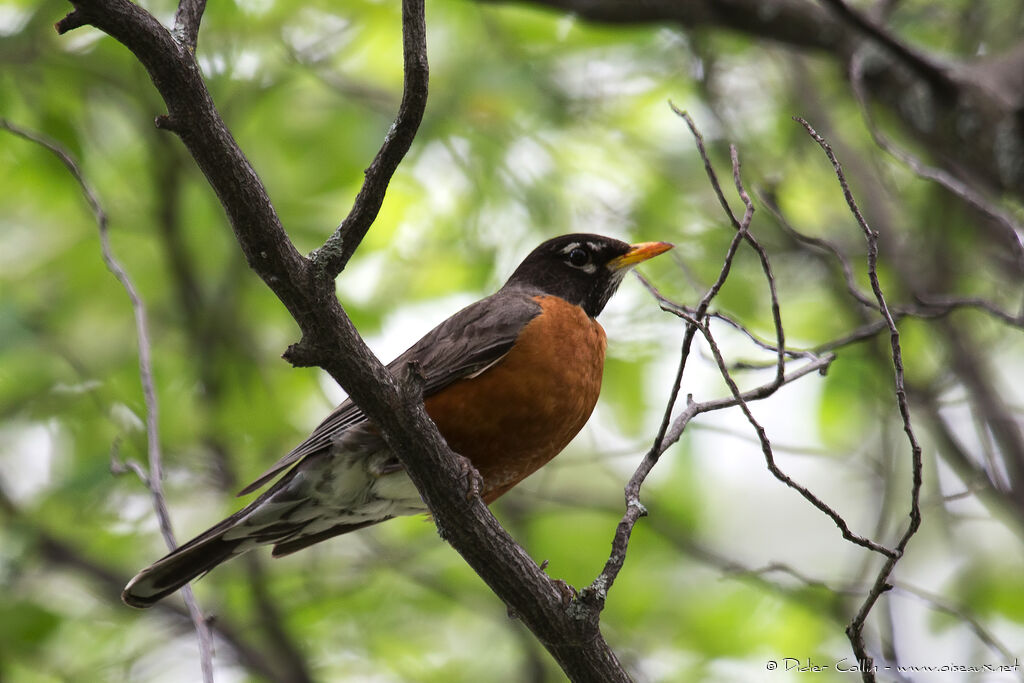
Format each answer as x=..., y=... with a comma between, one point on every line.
x=519, y=414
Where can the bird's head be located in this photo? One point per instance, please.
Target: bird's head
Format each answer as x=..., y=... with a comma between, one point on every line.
x=581, y=268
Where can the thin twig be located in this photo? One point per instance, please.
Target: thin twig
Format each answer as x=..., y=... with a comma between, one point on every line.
x=932, y=601
x=820, y=244
x=670, y=306
x=855, y=630
x=153, y=479
x=930, y=307
x=739, y=398
x=818, y=365
x=939, y=604
x=780, y=336
x=769, y=456
x=63, y=555
x=598, y=589
x=212, y=327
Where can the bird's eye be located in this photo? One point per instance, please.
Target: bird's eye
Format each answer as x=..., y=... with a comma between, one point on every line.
x=578, y=257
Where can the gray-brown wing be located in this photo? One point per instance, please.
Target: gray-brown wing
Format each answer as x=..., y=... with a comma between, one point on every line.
x=465, y=344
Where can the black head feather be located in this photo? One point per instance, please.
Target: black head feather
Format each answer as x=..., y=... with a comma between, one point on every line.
x=582, y=268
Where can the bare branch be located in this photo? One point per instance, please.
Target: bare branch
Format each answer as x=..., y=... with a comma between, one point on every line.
x=596, y=593
x=930, y=307
x=154, y=479
x=855, y=630
x=329, y=339
x=819, y=365
x=1013, y=231
x=682, y=311
x=74, y=19
x=939, y=604
x=931, y=600
x=818, y=243
x=598, y=589
x=793, y=22
x=780, y=336
x=212, y=326
x=338, y=249
x=906, y=80
x=186, y=21
x=926, y=67
x=769, y=456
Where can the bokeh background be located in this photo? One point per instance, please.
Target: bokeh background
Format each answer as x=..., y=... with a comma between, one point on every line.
x=539, y=123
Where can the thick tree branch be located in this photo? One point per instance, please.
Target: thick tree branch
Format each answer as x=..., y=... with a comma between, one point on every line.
x=793, y=22
x=967, y=113
x=1010, y=230
x=926, y=66
x=186, y=21
x=330, y=341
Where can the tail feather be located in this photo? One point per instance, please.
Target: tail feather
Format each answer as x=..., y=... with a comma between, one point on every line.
x=173, y=571
x=291, y=515
x=203, y=553
x=198, y=556
x=289, y=546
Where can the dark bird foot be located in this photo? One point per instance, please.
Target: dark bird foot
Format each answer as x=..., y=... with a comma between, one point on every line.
x=469, y=474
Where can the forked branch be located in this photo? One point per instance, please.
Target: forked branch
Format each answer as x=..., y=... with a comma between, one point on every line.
x=855, y=630
x=306, y=288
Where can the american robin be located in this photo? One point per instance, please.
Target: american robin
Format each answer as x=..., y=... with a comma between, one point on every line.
x=509, y=381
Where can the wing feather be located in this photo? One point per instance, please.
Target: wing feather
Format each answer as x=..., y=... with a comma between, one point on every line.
x=465, y=345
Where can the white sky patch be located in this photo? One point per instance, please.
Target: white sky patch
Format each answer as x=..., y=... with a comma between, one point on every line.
x=598, y=74
x=247, y=64
x=317, y=35
x=12, y=19
x=212, y=64
x=362, y=277
x=438, y=167
x=27, y=454
x=255, y=7
x=528, y=161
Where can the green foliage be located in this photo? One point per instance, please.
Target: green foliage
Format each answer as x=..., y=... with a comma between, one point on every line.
x=538, y=124
x=993, y=591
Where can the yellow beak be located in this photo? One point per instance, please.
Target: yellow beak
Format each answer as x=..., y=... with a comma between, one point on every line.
x=638, y=253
